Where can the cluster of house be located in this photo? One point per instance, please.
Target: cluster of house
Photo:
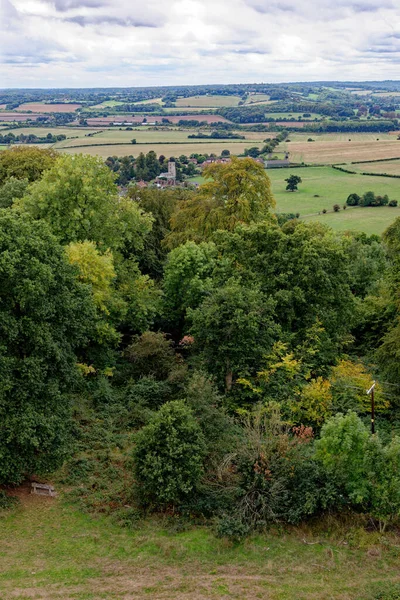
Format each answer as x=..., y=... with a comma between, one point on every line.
x=168, y=179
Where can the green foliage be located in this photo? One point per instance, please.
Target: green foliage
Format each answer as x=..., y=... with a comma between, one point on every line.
x=168, y=456
x=79, y=200
x=232, y=528
x=12, y=189
x=353, y=200
x=293, y=182
x=365, y=469
x=233, y=327
x=187, y=279
x=6, y=501
x=341, y=451
x=25, y=163
x=45, y=316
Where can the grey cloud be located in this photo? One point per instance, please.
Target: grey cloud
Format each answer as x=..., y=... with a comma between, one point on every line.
x=85, y=21
x=65, y=5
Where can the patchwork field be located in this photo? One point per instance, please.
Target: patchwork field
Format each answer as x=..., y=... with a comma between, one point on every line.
x=208, y=101
x=10, y=116
x=153, y=119
x=48, y=108
x=50, y=551
x=146, y=135
x=167, y=149
x=42, y=131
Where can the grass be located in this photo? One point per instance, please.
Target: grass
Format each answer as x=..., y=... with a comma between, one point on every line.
x=42, y=131
x=171, y=149
x=335, y=151
x=144, y=135
x=333, y=187
x=208, y=101
x=47, y=108
x=297, y=136
x=370, y=220
x=391, y=167
x=51, y=551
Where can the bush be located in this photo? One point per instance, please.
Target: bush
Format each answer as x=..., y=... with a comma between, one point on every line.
x=324, y=211
x=353, y=200
x=336, y=207
x=232, y=527
x=7, y=502
x=392, y=203
x=168, y=457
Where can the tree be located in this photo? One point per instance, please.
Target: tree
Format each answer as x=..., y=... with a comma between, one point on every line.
x=46, y=315
x=12, y=189
x=341, y=450
x=25, y=163
x=353, y=200
x=238, y=192
x=292, y=183
x=233, y=328
x=168, y=456
x=79, y=200
x=187, y=279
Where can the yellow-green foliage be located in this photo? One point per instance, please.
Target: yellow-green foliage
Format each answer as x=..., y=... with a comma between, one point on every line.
x=351, y=380
x=237, y=192
x=315, y=403
x=94, y=268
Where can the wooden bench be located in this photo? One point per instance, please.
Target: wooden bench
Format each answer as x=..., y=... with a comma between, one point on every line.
x=43, y=489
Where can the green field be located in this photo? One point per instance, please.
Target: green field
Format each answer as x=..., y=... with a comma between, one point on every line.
x=42, y=131
x=50, y=551
x=144, y=135
x=333, y=187
x=294, y=115
x=171, y=149
x=208, y=101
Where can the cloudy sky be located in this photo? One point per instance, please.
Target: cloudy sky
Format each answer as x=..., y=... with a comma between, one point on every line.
x=88, y=43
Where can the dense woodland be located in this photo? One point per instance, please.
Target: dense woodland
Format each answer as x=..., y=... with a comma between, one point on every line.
x=183, y=350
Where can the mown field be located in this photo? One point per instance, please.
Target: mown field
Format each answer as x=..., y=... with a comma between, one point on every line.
x=51, y=551
x=323, y=152
x=208, y=101
x=332, y=187
x=155, y=136
x=391, y=167
x=43, y=131
x=42, y=107
x=171, y=149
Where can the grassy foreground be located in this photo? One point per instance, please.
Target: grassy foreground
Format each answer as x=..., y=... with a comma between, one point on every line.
x=49, y=550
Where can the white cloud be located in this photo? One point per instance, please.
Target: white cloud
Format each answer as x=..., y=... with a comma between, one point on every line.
x=49, y=43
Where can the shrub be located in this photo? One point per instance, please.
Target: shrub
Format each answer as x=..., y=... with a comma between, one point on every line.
x=6, y=501
x=336, y=207
x=168, y=457
x=344, y=206
x=232, y=527
x=324, y=211
x=393, y=203
x=353, y=200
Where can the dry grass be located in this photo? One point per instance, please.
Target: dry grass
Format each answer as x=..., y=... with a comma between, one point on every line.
x=41, y=107
x=167, y=149
x=391, y=167
x=327, y=152
x=208, y=101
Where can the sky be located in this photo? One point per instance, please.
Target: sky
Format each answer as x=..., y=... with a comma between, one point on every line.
x=107, y=43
